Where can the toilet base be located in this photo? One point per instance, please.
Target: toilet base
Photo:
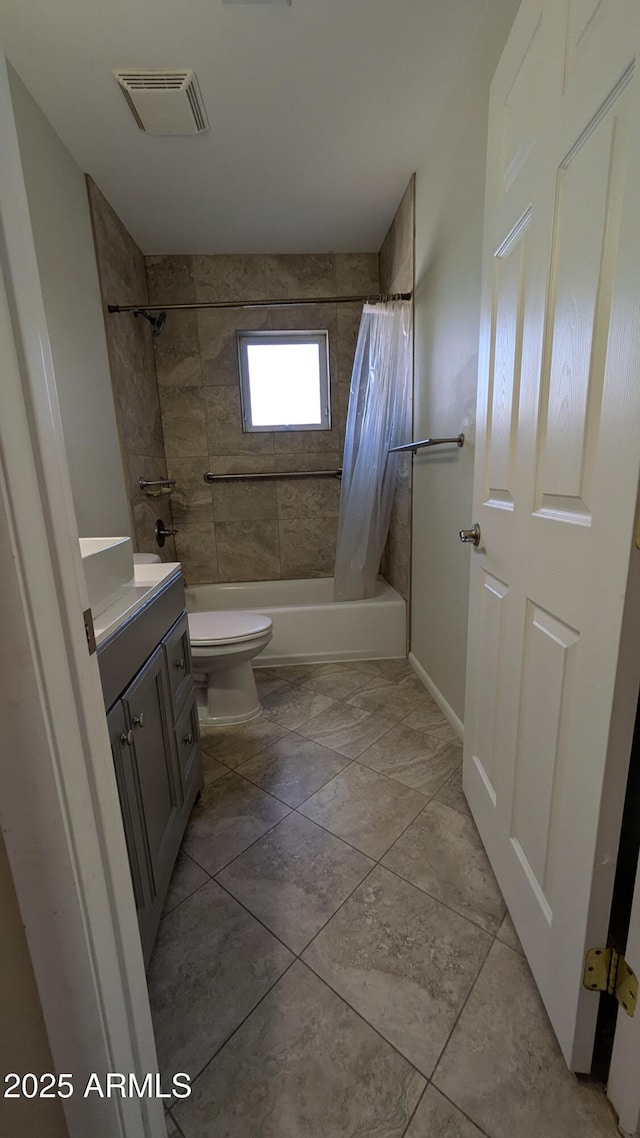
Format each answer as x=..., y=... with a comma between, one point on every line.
x=227, y=696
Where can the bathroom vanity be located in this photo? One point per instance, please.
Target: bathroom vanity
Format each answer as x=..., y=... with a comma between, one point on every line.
x=145, y=667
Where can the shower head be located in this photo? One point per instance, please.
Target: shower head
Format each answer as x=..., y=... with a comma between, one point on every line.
x=156, y=322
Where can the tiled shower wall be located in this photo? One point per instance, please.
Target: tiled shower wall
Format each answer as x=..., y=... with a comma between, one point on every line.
x=240, y=531
x=397, y=275
x=123, y=280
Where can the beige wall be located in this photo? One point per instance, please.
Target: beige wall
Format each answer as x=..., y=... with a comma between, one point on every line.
x=123, y=280
x=243, y=530
x=66, y=261
x=397, y=275
x=23, y=1040
x=449, y=217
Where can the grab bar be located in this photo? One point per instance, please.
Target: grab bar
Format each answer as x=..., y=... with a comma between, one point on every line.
x=156, y=487
x=156, y=483
x=209, y=477
x=420, y=443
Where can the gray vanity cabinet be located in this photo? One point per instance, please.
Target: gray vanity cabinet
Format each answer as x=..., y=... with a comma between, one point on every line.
x=153, y=727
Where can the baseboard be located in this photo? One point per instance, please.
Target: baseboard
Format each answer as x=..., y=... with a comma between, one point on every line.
x=347, y=657
x=446, y=708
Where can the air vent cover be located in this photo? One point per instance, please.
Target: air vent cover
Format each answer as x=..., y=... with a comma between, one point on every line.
x=164, y=102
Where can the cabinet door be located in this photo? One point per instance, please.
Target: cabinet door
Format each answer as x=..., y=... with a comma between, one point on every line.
x=178, y=652
x=124, y=763
x=188, y=749
x=148, y=709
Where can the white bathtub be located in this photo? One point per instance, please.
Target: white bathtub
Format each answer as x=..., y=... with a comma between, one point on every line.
x=308, y=625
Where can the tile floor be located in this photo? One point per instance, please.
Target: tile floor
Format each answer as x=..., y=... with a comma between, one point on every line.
x=335, y=959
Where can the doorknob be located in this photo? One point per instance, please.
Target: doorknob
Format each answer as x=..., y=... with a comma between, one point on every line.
x=471, y=535
x=138, y=720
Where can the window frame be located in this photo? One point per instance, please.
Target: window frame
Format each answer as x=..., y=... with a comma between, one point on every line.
x=285, y=336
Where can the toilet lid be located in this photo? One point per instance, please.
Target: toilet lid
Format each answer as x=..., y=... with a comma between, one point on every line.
x=226, y=627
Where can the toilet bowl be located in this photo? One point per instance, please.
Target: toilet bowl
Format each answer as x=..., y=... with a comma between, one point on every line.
x=223, y=644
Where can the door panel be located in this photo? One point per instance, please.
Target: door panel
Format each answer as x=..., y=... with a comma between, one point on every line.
x=556, y=474
x=545, y=700
x=585, y=245
x=508, y=314
x=519, y=107
x=492, y=631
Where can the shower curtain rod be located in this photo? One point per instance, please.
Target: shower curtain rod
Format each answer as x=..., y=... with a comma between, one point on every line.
x=289, y=302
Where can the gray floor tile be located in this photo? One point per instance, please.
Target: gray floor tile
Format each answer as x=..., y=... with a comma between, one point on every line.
x=293, y=705
x=390, y=669
x=436, y=1117
x=211, y=768
x=304, y=1065
x=347, y=730
x=172, y=1127
x=338, y=682
x=293, y=768
x=187, y=877
x=402, y=960
x=413, y=758
x=293, y=673
x=393, y=699
x=366, y=809
x=230, y=816
x=503, y=1066
x=452, y=793
x=266, y=682
x=441, y=852
x=234, y=745
x=294, y=878
x=508, y=935
x=429, y=718
x=211, y=964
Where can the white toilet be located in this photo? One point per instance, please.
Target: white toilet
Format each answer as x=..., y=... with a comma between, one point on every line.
x=223, y=644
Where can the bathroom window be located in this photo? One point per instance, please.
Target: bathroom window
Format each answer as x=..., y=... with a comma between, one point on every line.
x=284, y=381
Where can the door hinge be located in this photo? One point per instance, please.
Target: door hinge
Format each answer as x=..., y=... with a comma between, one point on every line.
x=89, y=632
x=606, y=970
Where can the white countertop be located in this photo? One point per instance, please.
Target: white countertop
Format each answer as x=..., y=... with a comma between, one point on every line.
x=148, y=581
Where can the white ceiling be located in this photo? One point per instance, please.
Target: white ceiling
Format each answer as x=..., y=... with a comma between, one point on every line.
x=319, y=112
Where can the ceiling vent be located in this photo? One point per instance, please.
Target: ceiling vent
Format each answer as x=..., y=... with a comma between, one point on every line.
x=164, y=102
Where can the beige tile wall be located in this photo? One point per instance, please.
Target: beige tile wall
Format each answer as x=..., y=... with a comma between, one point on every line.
x=122, y=275
x=251, y=530
x=397, y=275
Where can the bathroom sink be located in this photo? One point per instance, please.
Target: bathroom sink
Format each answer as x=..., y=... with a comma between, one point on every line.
x=108, y=569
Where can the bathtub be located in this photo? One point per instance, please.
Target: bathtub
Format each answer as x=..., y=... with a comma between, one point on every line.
x=308, y=625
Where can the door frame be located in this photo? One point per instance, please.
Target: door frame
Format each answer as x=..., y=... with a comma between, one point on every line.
x=623, y=1088
x=59, y=809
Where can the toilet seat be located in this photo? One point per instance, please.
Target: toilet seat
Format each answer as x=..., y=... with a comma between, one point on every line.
x=210, y=628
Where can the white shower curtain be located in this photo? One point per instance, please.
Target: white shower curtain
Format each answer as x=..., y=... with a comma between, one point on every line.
x=380, y=393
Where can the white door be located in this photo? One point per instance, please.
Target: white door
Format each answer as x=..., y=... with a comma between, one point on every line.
x=556, y=475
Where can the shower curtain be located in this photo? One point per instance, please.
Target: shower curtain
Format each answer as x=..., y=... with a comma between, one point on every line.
x=379, y=396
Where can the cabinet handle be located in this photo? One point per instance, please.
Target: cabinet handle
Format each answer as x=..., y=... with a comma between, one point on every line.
x=188, y=739
x=138, y=720
x=127, y=737
x=179, y=664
